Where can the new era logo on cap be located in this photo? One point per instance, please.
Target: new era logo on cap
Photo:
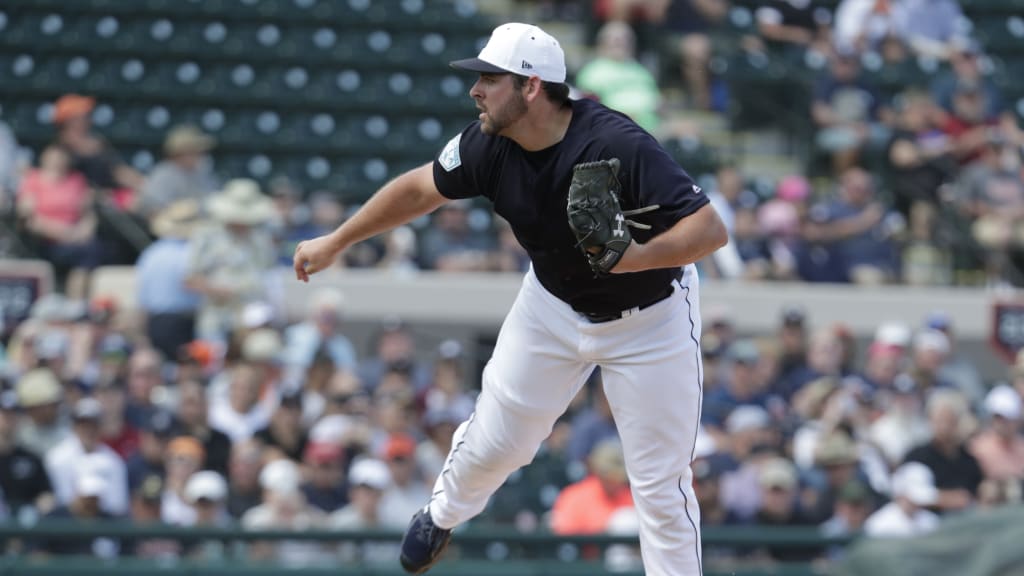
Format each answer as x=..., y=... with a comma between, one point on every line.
x=520, y=49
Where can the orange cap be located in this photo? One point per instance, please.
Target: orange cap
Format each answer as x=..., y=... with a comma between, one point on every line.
x=399, y=446
x=186, y=446
x=72, y=106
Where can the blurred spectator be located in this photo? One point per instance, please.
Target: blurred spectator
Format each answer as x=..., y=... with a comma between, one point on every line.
x=440, y=426
x=284, y=508
x=913, y=491
x=956, y=369
x=742, y=386
x=321, y=331
x=846, y=110
x=393, y=347
x=184, y=457
x=779, y=506
x=186, y=173
x=852, y=508
x=965, y=60
x=999, y=447
x=240, y=413
x=592, y=424
x=690, y=25
x=325, y=486
x=586, y=506
x=148, y=460
x=285, y=433
x=115, y=430
x=367, y=480
x=145, y=509
x=618, y=80
x=244, y=468
x=630, y=10
x=84, y=506
x=837, y=458
x=790, y=27
x=39, y=396
x=23, y=479
x=82, y=454
x=400, y=251
x=919, y=154
x=206, y=492
x=144, y=379
x=902, y=424
x=929, y=27
x=10, y=166
x=971, y=131
x=228, y=261
x=90, y=153
x=192, y=414
x=862, y=25
x=992, y=196
x=450, y=244
x=857, y=231
x=56, y=205
x=448, y=389
x=928, y=354
x=162, y=270
x=407, y=491
x=792, y=336
x=956, y=472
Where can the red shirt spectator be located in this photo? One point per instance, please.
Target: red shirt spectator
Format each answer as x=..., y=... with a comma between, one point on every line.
x=586, y=506
x=53, y=192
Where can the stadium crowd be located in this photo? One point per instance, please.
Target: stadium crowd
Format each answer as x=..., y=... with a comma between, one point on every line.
x=215, y=411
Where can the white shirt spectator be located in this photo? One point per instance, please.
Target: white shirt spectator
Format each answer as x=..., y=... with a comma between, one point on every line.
x=861, y=21
x=890, y=521
x=68, y=460
x=238, y=426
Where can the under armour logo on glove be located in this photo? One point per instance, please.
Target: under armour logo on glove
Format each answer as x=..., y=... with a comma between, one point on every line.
x=595, y=217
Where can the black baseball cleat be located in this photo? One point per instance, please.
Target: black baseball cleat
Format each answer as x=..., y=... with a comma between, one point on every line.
x=423, y=543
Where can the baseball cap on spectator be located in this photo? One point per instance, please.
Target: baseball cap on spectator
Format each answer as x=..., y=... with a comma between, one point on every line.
x=778, y=219
x=205, y=485
x=744, y=352
x=281, y=476
x=177, y=220
x=854, y=492
x=187, y=139
x=262, y=345
x=186, y=446
x=201, y=352
x=607, y=460
x=115, y=345
x=1003, y=401
x=893, y=334
x=323, y=453
x=90, y=485
x=102, y=309
x=793, y=316
x=151, y=488
x=370, y=473
x=520, y=49
x=793, y=188
x=835, y=449
x=399, y=446
x=241, y=203
x=51, y=345
x=915, y=482
x=38, y=387
x=87, y=410
x=711, y=346
x=330, y=429
x=938, y=320
x=161, y=423
x=931, y=340
x=747, y=417
x=257, y=314
x=777, y=473
x=450, y=350
x=72, y=106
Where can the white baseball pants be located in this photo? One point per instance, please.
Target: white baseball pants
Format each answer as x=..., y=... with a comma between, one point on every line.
x=651, y=369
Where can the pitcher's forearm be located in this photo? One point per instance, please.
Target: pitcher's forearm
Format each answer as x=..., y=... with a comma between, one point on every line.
x=402, y=200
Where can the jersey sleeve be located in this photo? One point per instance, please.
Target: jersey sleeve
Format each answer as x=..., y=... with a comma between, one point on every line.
x=460, y=167
x=649, y=177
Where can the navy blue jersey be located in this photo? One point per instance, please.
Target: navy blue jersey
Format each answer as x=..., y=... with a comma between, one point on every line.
x=530, y=190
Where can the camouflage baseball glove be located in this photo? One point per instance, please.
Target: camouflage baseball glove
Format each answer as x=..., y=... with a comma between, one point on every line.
x=595, y=217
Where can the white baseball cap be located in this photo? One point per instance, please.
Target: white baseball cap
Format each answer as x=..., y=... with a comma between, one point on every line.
x=370, y=472
x=205, y=484
x=521, y=49
x=1003, y=401
x=915, y=482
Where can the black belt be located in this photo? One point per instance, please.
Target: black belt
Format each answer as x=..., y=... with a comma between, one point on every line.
x=599, y=317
